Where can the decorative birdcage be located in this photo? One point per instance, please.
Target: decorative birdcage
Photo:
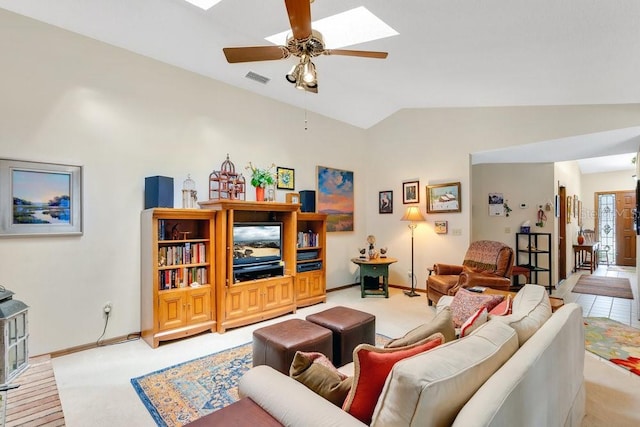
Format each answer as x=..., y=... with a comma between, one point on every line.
x=189, y=193
x=226, y=183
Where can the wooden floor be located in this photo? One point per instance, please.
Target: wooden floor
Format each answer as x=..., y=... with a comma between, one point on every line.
x=36, y=401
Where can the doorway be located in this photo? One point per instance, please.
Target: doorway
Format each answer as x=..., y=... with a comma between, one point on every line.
x=614, y=227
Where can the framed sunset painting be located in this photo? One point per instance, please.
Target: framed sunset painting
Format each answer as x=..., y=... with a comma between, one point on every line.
x=40, y=198
x=335, y=197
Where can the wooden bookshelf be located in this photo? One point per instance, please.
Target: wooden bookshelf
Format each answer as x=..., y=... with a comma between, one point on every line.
x=176, y=291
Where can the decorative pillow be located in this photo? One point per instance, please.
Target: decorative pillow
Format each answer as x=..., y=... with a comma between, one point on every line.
x=323, y=379
x=472, y=323
x=442, y=322
x=371, y=367
x=465, y=303
x=502, y=309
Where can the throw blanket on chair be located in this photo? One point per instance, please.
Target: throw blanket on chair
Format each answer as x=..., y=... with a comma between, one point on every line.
x=482, y=256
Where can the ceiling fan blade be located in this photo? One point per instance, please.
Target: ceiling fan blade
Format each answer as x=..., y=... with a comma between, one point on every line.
x=255, y=53
x=299, y=17
x=362, y=53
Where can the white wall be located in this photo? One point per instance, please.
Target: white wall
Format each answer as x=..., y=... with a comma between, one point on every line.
x=71, y=100
x=434, y=146
x=68, y=99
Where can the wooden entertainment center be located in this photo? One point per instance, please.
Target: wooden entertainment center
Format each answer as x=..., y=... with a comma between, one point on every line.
x=171, y=308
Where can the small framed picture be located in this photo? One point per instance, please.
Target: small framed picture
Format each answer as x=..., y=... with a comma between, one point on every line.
x=443, y=198
x=440, y=227
x=285, y=178
x=292, y=197
x=410, y=193
x=385, y=202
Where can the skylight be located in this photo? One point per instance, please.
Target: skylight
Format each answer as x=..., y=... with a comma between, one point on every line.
x=345, y=29
x=204, y=4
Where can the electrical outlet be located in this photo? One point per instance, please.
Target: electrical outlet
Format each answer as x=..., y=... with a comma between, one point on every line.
x=456, y=232
x=507, y=230
x=107, y=308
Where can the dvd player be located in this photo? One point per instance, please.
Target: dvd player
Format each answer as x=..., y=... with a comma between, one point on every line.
x=309, y=266
x=307, y=255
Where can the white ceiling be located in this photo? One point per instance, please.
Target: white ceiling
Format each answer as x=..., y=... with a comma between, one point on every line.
x=449, y=53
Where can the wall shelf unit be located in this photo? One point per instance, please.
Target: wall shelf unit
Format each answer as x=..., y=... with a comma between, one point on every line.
x=533, y=251
x=176, y=293
x=310, y=283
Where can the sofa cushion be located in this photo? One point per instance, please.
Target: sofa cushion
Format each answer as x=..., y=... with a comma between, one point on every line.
x=472, y=323
x=548, y=369
x=315, y=371
x=371, y=367
x=442, y=322
x=465, y=303
x=530, y=309
x=430, y=388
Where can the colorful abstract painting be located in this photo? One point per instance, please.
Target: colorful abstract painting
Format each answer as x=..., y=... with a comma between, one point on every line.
x=335, y=198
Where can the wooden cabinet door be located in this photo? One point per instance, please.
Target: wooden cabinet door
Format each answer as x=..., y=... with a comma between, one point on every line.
x=171, y=310
x=199, y=305
x=278, y=293
x=316, y=284
x=303, y=288
x=242, y=300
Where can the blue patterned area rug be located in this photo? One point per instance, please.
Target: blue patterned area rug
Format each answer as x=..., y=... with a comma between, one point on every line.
x=182, y=393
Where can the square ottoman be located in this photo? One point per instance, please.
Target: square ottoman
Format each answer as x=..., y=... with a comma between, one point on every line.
x=276, y=345
x=350, y=327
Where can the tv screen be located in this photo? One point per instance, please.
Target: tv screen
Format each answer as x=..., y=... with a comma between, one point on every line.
x=257, y=243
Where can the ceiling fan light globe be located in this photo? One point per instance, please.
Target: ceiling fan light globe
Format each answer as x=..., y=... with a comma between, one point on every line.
x=309, y=72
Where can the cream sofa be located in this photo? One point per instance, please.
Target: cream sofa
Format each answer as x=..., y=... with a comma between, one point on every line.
x=525, y=369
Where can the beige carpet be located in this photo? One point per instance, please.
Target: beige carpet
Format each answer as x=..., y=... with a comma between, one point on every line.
x=612, y=394
x=618, y=287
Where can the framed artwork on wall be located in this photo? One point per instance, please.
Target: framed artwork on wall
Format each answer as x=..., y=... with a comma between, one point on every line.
x=569, y=209
x=40, y=198
x=410, y=193
x=441, y=227
x=444, y=198
x=285, y=178
x=335, y=197
x=496, y=204
x=385, y=202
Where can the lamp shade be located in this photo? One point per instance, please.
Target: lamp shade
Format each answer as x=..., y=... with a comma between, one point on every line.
x=413, y=214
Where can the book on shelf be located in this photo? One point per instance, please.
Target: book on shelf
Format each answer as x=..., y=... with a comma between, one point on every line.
x=307, y=239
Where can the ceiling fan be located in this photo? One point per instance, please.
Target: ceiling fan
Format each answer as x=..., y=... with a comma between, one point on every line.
x=305, y=43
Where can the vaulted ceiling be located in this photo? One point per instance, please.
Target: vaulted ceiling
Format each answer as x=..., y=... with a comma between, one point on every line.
x=453, y=53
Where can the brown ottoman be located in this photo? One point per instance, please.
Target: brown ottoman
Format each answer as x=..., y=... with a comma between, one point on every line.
x=276, y=345
x=350, y=327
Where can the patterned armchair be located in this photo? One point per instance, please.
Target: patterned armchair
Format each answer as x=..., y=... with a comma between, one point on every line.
x=486, y=263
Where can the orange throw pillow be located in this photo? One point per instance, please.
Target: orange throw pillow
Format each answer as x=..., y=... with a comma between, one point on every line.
x=371, y=368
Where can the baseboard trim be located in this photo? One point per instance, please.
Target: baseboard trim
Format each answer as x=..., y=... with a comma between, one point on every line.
x=116, y=340
x=404, y=288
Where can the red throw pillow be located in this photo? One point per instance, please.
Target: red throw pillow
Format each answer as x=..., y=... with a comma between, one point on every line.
x=371, y=368
x=472, y=323
x=502, y=309
x=465, y=303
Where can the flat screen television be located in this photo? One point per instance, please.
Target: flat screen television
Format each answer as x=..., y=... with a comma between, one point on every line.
x=257, y=243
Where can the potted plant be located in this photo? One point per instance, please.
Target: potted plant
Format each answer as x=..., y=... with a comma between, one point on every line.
x=261, y=178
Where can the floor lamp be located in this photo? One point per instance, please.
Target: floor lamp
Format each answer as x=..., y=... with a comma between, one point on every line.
x=413, y=215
